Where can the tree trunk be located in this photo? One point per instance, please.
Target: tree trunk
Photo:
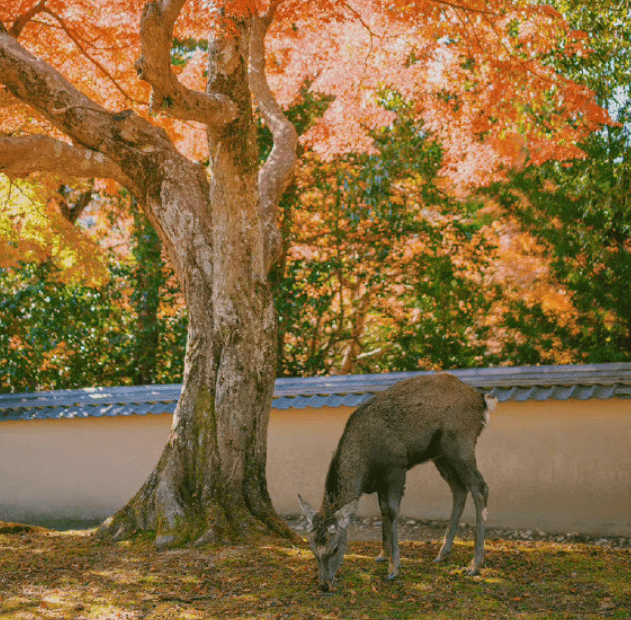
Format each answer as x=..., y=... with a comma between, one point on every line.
x=210, y=482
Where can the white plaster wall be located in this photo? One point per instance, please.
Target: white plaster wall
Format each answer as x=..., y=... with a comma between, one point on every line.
x=84, y=468
x=554, y=465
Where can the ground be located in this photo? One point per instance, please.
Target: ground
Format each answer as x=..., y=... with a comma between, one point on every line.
x=72, y=576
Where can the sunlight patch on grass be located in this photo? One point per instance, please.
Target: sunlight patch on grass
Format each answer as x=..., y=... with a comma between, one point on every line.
x=149, y=579
x=420, y=587
x=190, y=580
x=126, y=577
x=16, y=607
x=494, y=580
x=110, y=612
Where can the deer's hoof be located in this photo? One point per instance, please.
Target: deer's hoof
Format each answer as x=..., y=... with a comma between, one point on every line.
x=392, y=576
x=381, y=558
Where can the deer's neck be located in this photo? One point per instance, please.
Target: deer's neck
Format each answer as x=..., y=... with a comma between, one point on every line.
x=344, y=480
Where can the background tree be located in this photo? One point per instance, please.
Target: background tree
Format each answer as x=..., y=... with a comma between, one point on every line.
x=384, y=270
x=381, y=270
x=72, y=104
x=105, y=311
x=56, y=335
x=148, y=277
x=580, y=214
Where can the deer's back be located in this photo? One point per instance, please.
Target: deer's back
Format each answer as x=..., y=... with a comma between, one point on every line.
x=404, y=424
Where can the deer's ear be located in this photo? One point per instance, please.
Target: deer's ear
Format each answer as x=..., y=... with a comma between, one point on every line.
x=344, y=514
x=309, y=511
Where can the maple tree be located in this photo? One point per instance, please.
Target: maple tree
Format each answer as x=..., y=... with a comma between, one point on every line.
x=579, y=213
x=182, y=141
x=37, y=225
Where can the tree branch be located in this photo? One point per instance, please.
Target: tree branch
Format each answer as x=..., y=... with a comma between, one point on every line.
x=73, y=210
x=277, y=172
x=21, y=156
x=154, y=66
x=84, y=51
x=21, y=21
x=124, y=138
x=464, y=7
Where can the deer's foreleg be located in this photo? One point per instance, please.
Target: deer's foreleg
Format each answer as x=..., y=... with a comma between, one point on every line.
x=389, y=501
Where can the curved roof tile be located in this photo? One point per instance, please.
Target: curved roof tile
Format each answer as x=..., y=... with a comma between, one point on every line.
x=521, y=383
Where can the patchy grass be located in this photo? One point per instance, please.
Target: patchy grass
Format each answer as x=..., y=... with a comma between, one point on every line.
x=70, y=575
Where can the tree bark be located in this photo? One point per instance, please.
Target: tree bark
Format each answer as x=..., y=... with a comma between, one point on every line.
x=210, y=484
x=221, y=234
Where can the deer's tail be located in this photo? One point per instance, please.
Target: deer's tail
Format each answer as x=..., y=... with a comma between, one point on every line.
x=490, y=402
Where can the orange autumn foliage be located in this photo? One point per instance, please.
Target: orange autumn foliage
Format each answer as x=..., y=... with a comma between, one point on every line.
x=474, y=70
x=521, y=268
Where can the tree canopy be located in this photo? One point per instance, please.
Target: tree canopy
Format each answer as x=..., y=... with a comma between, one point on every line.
x=580, y=213
x=478, y=72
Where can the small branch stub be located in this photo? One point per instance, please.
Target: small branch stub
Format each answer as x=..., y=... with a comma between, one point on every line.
x=154, y=67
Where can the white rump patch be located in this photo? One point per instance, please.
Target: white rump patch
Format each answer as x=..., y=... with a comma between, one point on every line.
x=491, y=403
x=485, y=514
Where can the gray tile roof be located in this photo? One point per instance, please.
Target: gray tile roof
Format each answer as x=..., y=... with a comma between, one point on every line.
x=521, y=383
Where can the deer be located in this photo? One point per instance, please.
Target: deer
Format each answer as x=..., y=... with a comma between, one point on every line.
x=434, y=418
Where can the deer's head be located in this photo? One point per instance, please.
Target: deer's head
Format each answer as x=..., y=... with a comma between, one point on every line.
x=328, y=539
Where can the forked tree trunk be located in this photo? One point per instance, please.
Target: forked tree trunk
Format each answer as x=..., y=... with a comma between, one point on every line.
x=210, y=483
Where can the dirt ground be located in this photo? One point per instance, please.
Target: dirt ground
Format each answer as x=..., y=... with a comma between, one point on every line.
x=70, y=575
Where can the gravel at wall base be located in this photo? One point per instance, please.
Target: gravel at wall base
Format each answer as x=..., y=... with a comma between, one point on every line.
x=413, y=529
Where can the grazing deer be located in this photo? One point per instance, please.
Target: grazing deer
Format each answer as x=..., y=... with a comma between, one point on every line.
x=430, y=417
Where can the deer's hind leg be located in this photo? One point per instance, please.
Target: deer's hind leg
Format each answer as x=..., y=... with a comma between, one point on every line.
x=480, y=493
x=390, y=494
x=463, y=462
x=459, y=497
x=461, y=457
